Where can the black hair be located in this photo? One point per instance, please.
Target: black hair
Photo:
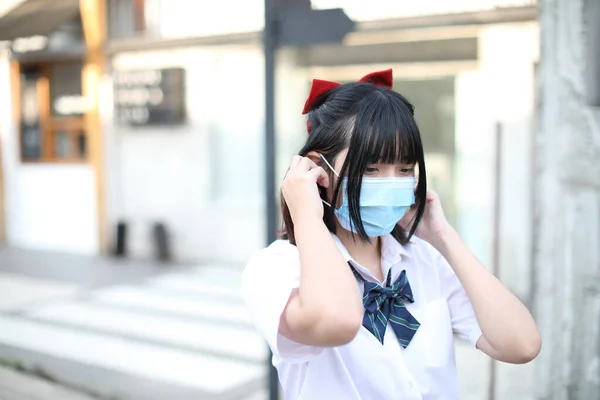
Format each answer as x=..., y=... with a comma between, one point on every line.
x=376, y=125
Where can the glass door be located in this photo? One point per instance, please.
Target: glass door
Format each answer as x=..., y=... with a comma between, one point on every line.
x=52, y=113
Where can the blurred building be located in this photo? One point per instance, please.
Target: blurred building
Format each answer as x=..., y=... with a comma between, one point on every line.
x=567, y=244
x=47, y=124
x=180, y=111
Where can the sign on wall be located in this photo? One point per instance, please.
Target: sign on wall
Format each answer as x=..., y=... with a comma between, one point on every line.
x=150, y=97
x=66, y=39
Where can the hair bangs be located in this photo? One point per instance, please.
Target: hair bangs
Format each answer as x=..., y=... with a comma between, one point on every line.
x=386, y=132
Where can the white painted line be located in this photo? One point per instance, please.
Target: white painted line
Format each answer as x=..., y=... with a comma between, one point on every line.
x=154, y=300
x=199, y=335
x=18, y=290
x=175, y=367
x=218, y=272
x=219, y=267
x=261, y=395
x=194, y=284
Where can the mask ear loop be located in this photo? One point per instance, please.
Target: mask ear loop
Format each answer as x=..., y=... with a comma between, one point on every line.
x=333, y=170
x=329, y=165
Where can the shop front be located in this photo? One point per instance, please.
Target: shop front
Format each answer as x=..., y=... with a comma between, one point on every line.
x=50, y=152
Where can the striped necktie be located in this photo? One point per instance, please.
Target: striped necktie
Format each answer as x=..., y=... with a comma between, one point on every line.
x=383, y=304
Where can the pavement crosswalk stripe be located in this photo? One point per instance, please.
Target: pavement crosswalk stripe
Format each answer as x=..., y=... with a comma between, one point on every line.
x=184, y=283
x=260, y=395
x=215, y=272
x=149, y=299
x=207, y=373
x=237, y=342
x=19, y=290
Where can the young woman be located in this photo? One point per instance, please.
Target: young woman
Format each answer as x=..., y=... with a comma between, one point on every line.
x=361, y=297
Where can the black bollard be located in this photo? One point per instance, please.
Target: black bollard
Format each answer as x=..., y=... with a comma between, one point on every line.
x=120, y=249
x=161, y=241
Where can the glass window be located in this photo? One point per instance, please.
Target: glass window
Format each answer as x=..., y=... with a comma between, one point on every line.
x=236, y=176
x=62, y=144
x=52, y=110
x=132, y=17
x=69, y=144
x=434, y=111
x=31, y=136
x=65, y=89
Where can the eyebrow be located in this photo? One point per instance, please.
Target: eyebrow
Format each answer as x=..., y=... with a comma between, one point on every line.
x=400, y=163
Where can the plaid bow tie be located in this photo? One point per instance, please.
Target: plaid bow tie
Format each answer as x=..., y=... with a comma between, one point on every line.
x=383, y=304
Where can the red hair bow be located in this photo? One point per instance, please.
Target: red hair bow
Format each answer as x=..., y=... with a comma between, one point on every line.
x=319, y=87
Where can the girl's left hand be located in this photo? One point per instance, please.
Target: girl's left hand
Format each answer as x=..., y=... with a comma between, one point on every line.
x=434, y=222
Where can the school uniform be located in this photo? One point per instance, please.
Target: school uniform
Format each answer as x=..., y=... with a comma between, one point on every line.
x=366, y=368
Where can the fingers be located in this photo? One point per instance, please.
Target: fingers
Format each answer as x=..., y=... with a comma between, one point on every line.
x=295, y=161
x=306, y=164
x=300, y=163
x=431, y=196
x=320, y=176
x=303, y=165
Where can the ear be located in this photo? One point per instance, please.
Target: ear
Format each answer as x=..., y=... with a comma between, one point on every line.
x=315, y=157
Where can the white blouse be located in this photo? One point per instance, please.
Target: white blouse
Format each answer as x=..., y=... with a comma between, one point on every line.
x=364, y=369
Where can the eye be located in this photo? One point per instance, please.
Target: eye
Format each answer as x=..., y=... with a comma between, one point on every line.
x=371, y=170
x=407, y=170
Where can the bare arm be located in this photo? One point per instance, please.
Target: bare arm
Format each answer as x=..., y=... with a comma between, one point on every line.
x=509, y=332
x=327, y=309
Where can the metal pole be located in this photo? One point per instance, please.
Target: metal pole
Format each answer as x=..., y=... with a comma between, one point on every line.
x=533, y=190
x=270, y=46
x=270, y=43
x=496, y=240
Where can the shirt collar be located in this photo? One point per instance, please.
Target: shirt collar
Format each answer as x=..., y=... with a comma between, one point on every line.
x=342, y=248
x=391, y=249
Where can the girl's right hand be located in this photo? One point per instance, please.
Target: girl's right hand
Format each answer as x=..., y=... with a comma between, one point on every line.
x=300, y=188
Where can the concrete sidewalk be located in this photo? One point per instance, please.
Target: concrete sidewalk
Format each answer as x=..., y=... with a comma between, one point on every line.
x=19, y=386
x=143, y=331
x=130, y=330
x=83, y=270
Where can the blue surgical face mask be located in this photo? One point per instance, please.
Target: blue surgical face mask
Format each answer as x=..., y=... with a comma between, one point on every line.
x=383, y=202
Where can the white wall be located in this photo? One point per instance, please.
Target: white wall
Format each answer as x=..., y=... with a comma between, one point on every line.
x=500, y=90
x=474, y=164
x=185, y=18
x=204, y=178
x=51, y=207
x=8, y=5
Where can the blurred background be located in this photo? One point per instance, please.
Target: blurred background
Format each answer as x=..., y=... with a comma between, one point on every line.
x=140, y=141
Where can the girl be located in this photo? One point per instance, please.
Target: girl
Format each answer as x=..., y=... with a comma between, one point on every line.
x=362, y=295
